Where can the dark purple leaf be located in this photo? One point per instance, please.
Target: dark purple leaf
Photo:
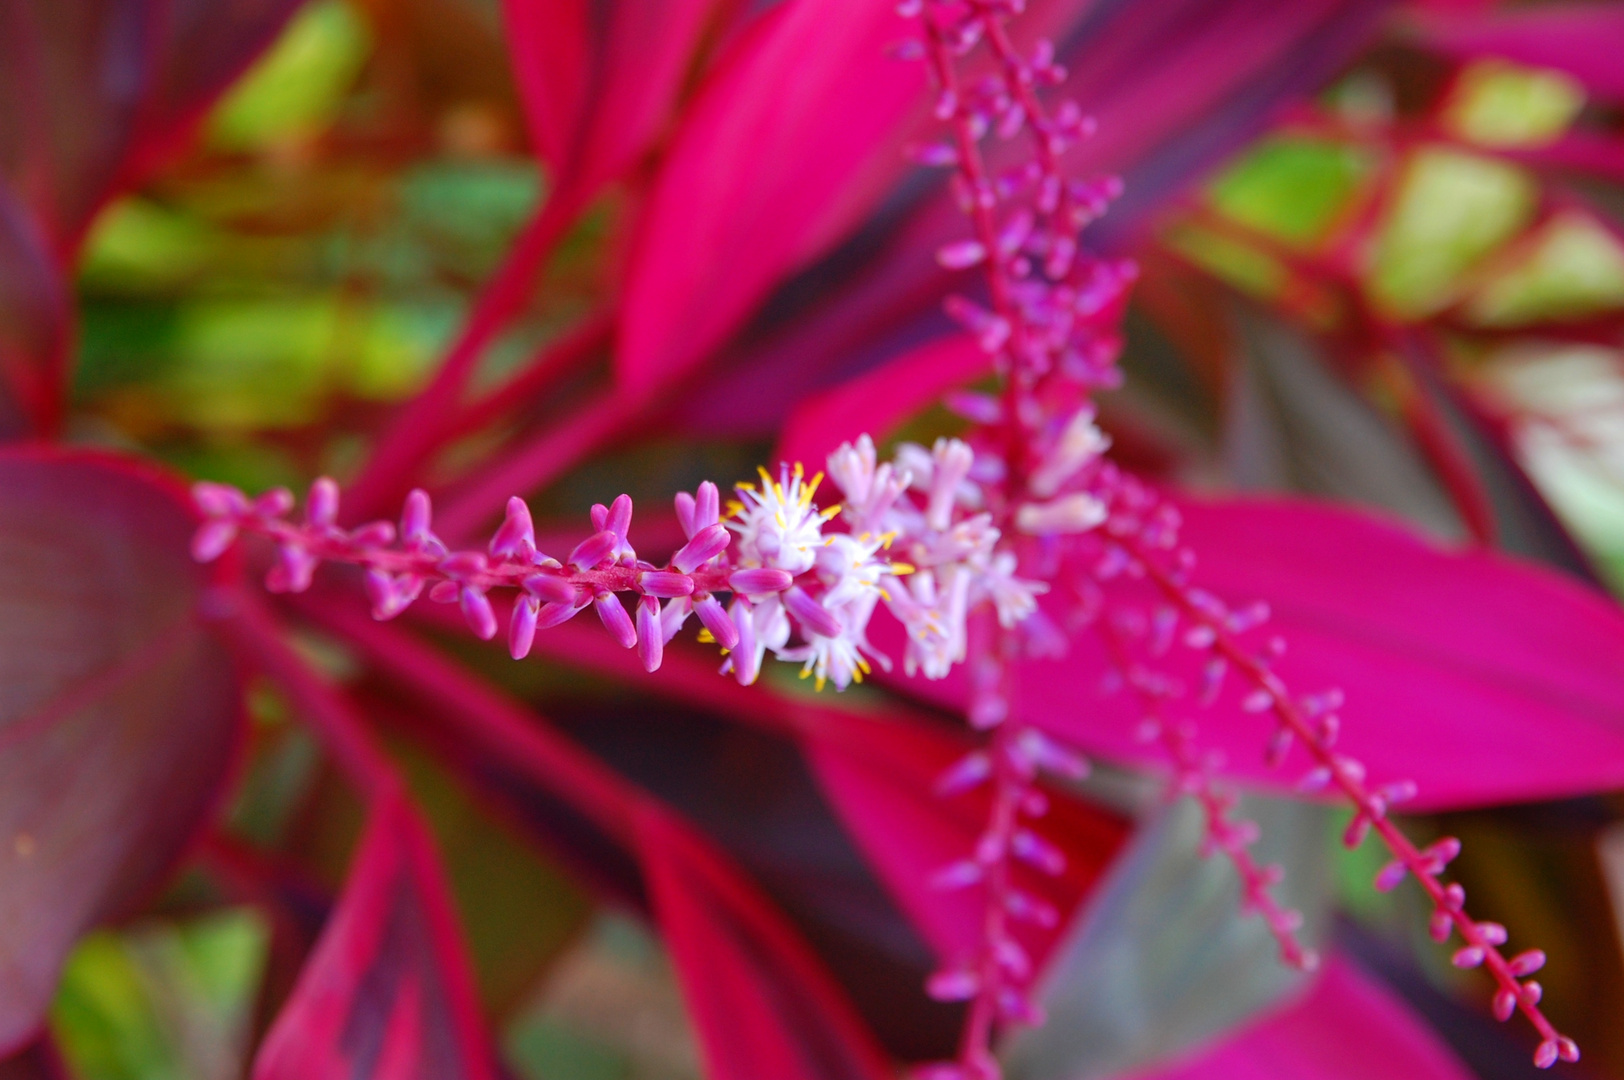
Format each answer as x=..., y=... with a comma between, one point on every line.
x=119, y=715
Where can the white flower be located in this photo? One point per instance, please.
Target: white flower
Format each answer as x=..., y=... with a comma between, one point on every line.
x=778, y=525
x=839, y=658
x=1015, y=598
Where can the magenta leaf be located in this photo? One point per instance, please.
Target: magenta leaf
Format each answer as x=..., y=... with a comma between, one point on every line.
x=600, y=80
x=763, y=1004
x=790, y=141
x=388, y=993
x=877, y=401
x=119, y=715
x=95, y=93
x=1481, y=678
x=1176, y=86
x=882, y=780
x=1348, y=1027
x=1580, y=39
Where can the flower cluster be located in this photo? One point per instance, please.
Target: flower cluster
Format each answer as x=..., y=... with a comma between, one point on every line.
x=795, y=587
x=1078, y=524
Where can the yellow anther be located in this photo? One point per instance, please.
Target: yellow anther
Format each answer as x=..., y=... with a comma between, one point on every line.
x=799, y=471
x=885, y=540
x=706, y=636
x=778, y=516
x=806, y=673
x=885, y=596
x=766, y=477
x=819, y=683
x=902, y=569
x=810, y=489
x=735, y=508
x=833, y=511
x=744, y=485
x=857, y=676
x=864, y=665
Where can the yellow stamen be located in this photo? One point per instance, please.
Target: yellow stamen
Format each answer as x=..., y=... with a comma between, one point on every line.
x=885, y=540
x=864, y=665
x=902, y=569
x=806, y=673
x=735, y=508
x=885, y=596
x=799, y=471
x=857, y=676
x=819, y=683
x=706, y=637
x=831, y=512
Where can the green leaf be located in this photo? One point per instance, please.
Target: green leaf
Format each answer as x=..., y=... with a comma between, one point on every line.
x=1497, y=103
x=1291, y=188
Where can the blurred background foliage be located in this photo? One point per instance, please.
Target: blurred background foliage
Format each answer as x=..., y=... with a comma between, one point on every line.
x=250, y=314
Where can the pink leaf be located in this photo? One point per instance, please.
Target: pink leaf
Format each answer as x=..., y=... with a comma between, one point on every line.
x=881, y=778
x=764, y=1005
x=388, y=993
x=877, y=401
x=599, y=80
x=119, y=716
x=1580, y=39
x=1176, y=85
x=787, y=145
x=1481, y=678
x=1348, y=1027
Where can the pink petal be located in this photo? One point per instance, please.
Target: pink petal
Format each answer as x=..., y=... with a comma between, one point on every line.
x=600, y=80
x=762, y=1002
x=388, y=991
x=1348, y=1027
x=119, y=715
x=788, y=144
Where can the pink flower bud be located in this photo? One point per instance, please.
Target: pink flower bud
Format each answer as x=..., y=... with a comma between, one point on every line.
x=321, y=507
x=476, y=609
x=522, y=626
x=594, y=549
x=650, y=638
x=811, y=614
x=615, y=620
x=550, y=587
x=212, y=539
x=759, y=581
x=516, y=537
x=665, y=584
x=710, y=612
x=706, y=544
x=414, y=518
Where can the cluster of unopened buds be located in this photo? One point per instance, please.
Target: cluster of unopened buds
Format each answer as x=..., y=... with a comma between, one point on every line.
x=797, y=587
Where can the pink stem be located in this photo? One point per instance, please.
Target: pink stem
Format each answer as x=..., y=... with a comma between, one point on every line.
x=1369, y=809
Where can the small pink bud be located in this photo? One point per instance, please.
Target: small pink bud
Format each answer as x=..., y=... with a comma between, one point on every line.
x=1531, y=993
x=414, y=517
x=444, y=592
x=1440, y=925
x=1545, y=1056
x=212, y=539
x=759, y=581
x=958, y=875
x=1454, y=896
x=665, y=584
x=620, y=516
x=965, y=774
x=711, y=613
x=374, y=534
x=1390, y=876
x=1526, y=963
x=321, y=507
x=954, y=984
x=594, y=549
x=476, y=609
x=218, y=500
x=961, y=255
x=274, y=503
x=1037, y=852
x=706, y=544
x=550, y=588
x=1469, y=957
x=684, y=503
x=380, y=588
x=555, y=614
x=1505, y=1003
x=650, y=638
x=1492, y=932
x=1030, y=909
x=615, y=620
x=516, y=537
x=522, y=626
x=463, y=565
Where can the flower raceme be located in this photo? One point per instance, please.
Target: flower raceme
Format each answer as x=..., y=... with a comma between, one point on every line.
x=797, y=587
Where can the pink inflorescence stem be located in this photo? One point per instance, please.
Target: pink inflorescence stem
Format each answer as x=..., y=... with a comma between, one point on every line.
x=1071, y=519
